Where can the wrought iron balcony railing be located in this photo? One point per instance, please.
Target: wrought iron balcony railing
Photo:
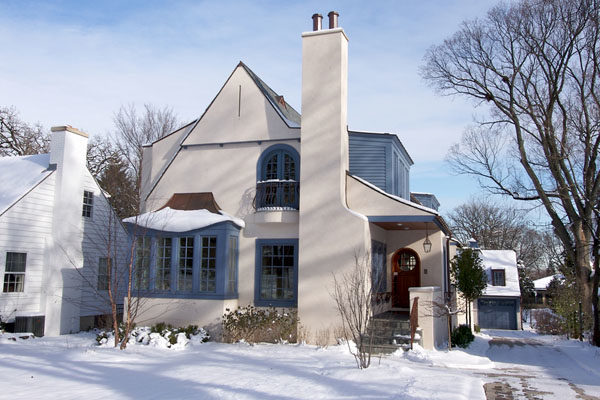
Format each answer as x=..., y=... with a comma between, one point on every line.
x=277, y=194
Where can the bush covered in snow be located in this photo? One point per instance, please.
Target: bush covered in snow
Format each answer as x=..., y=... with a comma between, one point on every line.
x=256, y=325
x=160, y=335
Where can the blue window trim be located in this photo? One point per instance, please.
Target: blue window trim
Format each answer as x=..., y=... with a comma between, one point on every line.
x=379, y=264
x=235, y=266
x=221, y=230
x=257, y=273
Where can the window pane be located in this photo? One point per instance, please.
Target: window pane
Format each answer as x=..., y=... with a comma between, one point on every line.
x=289, y=167
x=88, y=202
x=208, y=264
x=15, y=262
x=142, y=263
x=271, y=167
x=277, y=272
x=104, y=265
x=163, y=264
x=232, y=266
x=186, y=263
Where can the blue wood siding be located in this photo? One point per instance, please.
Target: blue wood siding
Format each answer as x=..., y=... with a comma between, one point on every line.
x=381, y=160
x=368, y=160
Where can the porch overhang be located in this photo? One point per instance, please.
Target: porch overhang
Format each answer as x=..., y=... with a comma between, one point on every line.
x=408, y=222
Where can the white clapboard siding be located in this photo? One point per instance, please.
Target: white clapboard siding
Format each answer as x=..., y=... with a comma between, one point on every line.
x=96, y=244
x=25, y=228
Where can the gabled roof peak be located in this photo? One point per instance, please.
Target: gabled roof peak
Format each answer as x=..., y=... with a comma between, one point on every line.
x=286, y=111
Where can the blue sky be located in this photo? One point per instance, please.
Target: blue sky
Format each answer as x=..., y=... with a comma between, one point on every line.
x=77, y=62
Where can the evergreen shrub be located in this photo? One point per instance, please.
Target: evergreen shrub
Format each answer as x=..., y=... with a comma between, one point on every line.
x=462, y=336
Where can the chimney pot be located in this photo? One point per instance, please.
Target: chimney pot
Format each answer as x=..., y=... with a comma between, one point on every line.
x=333, y=19
x=317, y=22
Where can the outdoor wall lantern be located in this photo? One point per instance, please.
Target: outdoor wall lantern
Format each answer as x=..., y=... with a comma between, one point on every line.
x=427, y=242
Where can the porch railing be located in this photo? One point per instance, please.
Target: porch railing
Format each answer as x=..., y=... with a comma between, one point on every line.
x=277, y=194
x=414, y=320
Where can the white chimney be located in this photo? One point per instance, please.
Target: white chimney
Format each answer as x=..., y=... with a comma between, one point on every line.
x=323, y=213
x=62, y=280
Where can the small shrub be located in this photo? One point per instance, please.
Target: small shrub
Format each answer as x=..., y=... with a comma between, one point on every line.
x=255, y=325
x=477, y=328
x=462, y=336
x=546, y=322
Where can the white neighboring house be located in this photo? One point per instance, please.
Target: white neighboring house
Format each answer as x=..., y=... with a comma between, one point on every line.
x=500, y=305
x=54, y=239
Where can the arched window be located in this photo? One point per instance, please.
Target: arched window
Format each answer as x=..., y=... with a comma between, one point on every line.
x=277, y=178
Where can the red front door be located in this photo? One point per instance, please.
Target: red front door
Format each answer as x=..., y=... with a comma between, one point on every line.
x=405, y=274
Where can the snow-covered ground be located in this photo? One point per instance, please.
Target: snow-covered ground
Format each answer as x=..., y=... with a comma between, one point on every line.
x=73, y=366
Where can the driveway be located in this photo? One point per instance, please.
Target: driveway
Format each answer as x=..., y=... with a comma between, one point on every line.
x=528, y=366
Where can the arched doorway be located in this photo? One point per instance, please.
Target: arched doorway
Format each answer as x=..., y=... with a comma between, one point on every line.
x=406, y=273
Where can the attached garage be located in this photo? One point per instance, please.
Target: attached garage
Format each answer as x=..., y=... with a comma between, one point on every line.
x=498, y=313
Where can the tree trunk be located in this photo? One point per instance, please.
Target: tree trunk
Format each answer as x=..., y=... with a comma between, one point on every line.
x=596, y=281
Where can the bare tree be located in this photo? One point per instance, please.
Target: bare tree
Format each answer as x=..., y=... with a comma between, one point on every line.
x=535, y=64
x=500, y=227
x=101, y=153
x=18, y=138
x=353, y=293
x=132, y=131
x=448, y=308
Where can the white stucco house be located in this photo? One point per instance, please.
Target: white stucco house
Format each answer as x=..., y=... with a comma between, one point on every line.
x=253, y=203
x=54, y=222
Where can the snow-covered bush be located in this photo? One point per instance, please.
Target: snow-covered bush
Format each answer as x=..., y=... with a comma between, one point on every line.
x=160, y=335
x=256, y=325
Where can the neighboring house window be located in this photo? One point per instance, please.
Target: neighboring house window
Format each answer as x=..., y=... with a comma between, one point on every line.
x=208, y=264
x=103, y=265
x=14, y=272
x=142, y=263
x=163, y=263
x=498, y=277
x=186, y=264
x=276, y=278
x=378, y=266
x=278, y=172
x=88, y=203
x=232, y=265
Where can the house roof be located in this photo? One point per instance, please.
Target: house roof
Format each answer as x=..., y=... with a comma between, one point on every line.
x=542, y=283
x=19, y=175
x=505, y=260
x=170, y=220
x=287, y=112
x=193, y=201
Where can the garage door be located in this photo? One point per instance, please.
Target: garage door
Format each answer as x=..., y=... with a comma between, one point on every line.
x=497, y=313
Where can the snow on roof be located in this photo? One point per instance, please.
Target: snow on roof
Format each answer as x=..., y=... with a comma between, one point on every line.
x=542, y=283
x=507, y=261
x=399, y=199
x=19, y=175
x=170, y=220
